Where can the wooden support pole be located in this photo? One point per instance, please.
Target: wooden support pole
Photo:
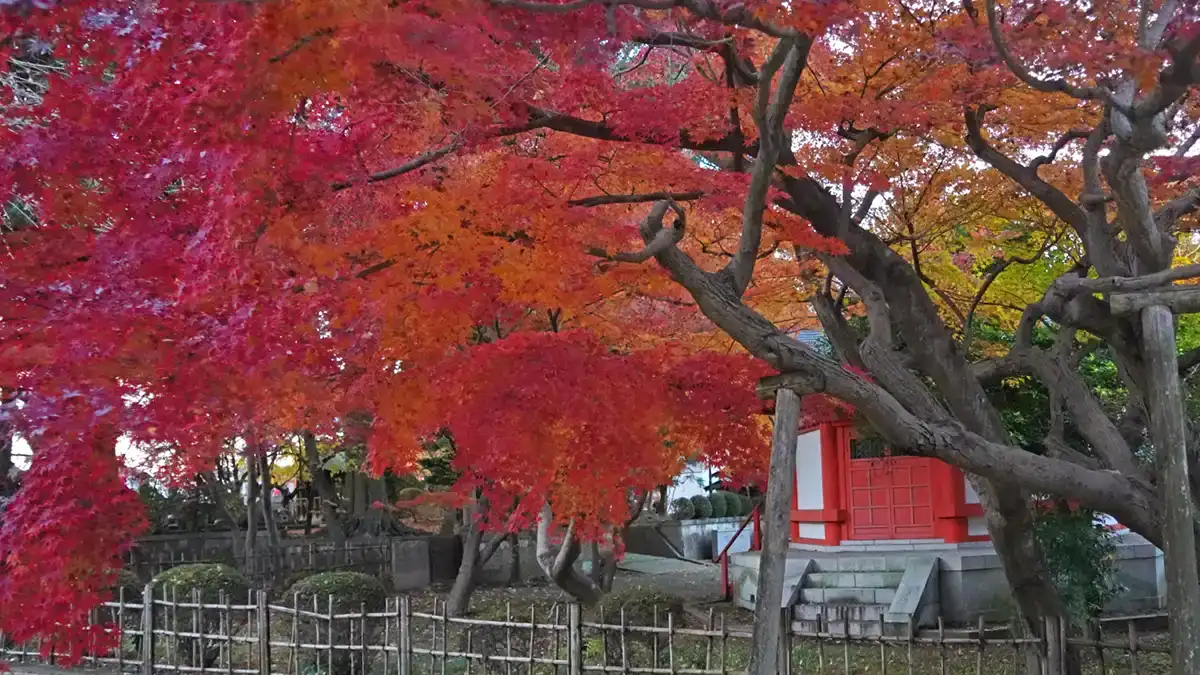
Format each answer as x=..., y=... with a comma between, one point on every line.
x=148, y=630
x=574, y=639
x=1168, y=432
x=764, y=651
x=263, y=619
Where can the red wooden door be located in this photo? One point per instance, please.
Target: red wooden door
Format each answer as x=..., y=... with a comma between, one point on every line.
x=890, y=498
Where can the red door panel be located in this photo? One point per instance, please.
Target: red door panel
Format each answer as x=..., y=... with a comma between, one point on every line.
x=890, y=498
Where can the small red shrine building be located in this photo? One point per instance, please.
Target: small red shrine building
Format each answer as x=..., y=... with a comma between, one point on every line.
x=852, y=491
x=884, y=537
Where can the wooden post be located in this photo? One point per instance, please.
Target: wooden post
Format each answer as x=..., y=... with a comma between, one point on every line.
x=1055, y=649
x=764, y=649
x=148, y=630
x=1168, y=432
x=405, y=631
x=263, y=619
x=574, y=640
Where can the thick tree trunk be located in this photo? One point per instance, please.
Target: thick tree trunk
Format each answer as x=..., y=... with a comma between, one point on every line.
x=267, y=506
x=6, y=463
x=559, y=565
x=514, y=560
x=251, y=547
x=772, y=562
x=1168, y=430
x=324, y=489
x=309, y=502
x=475, y=556
x=459, y=598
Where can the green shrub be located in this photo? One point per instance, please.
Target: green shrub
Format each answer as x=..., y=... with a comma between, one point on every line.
x=130, y=582
x=349, y=590
x=703, y=506
x=1081, y=556
x=747, y=505
x=719, y=504
x=682, y=509
x=409, y=493
x=210, y=579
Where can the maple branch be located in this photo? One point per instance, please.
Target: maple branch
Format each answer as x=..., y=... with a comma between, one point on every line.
x=1149, y=37
x=723, y=48
x=300, y=44
x=736, y=14
x=1025, y=176
x=997, y=268
x=1048, y=86
x=837, y=329
x=658, y=238
x=603, y=200
x=789, y=58
x=409, y=166
x=1128, y=284
x=1170, y=213
x=1073, y=134
x=1174, y=81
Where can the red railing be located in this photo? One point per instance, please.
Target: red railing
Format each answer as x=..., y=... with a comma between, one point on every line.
x=755, y=545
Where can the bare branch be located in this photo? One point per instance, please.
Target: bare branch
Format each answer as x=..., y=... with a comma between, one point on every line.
x=837, y=329
x=1149, y=38
x=789, y=57
x=1180, y=300
x=602, y=200
x=1062, y=206
x=733, y=15
x=1170, y=213
x=1073, y=134
x=1128, y=284
x=1048, y=86
x=658, y=238
x=997, y=268
x=412, y=165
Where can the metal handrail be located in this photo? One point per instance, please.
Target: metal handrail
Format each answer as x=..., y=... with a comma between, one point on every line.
x=755, y=544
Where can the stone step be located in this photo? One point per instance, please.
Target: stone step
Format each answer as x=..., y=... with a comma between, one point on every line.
x=853, y=579
x=853, y=628
x=848, y=596
x=861, y=563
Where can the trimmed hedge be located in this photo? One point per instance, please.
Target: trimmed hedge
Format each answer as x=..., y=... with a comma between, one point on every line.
x=703, y=506
x=130, y=582
x=746, y=505
x=720, y=504
x=682, y=509
x=409, y=493
x=208, y=578
x=349, y=590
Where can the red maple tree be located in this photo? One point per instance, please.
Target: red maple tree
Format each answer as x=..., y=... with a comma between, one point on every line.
x=265, y=216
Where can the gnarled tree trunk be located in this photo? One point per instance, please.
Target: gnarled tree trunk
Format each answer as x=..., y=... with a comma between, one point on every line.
x=324, y=489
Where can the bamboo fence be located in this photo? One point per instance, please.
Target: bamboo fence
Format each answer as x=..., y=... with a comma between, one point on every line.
x=253, y=635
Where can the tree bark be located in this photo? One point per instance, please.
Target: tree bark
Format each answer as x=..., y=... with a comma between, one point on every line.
x=475, y=556
x=309, y=498
x=514, y=560
x=772, y=562
x=559, y=565
x=268, y=505
x=324, y=489
x=6, y=463
x=251, y=547
x=459, y=598
x=1168, y=430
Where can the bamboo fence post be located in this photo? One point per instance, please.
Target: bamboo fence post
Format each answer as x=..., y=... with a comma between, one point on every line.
x=405, y=631
x=148, y=630
x=264, y=635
